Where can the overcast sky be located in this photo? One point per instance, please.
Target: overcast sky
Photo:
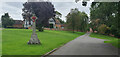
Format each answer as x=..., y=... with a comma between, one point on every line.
x=14, y=8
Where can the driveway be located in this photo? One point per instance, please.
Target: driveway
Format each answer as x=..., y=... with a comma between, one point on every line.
x=85, y=45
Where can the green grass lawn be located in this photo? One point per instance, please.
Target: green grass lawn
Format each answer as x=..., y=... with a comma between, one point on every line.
x=0, y=42
x=14, y=41
x=112, y=40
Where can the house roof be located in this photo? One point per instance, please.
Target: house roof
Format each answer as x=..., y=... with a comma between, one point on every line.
x=54, y=20
x=57, y=21
x=18, y=22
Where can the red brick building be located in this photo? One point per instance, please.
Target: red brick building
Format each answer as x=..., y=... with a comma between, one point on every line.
x=55, y=24
x=18, y=24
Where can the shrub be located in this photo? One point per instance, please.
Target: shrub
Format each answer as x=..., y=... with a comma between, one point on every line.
x=115, y=31
x=102, y=29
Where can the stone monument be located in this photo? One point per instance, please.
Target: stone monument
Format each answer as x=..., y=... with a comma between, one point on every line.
x=34, y=38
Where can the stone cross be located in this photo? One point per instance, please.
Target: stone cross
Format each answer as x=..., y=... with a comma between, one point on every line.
x=34, y=38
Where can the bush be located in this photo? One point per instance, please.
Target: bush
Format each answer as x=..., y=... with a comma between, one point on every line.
x=115, y=31
x=40, y=27
x=102, y=29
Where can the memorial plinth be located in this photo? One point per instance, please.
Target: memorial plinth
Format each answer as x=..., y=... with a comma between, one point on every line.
x=34, y=38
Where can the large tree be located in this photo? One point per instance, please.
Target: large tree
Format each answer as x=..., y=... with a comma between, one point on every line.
x=71, y=20
x=107, y=13
x=43, y=10
x=84, y=3
x=6, y=20
x=77, y=20
x=58, y=16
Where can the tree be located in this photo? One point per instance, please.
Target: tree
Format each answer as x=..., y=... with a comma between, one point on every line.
x=58, y=16
x=84, y=22
x=77, y=20
x=84, y=3
x=43, y=10
x=6, y=20
x=102, y=28
x=71, y=19
x=107, y=13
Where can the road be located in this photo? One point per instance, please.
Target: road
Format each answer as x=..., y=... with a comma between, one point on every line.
x=85, y=45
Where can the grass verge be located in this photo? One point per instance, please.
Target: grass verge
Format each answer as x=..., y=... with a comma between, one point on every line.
x=112, y=40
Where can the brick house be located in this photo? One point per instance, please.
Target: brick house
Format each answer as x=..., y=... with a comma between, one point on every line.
x=18, y=24
x=52, y=23
x=55, y=24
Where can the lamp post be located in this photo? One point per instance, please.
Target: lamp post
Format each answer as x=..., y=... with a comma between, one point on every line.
x=34, y=38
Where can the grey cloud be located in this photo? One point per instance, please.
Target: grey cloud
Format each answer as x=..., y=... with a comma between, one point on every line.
x=15, y=4
x=65, y=7
x=15, y=8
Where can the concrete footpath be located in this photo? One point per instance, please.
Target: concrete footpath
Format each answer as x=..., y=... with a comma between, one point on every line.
x=85, y=45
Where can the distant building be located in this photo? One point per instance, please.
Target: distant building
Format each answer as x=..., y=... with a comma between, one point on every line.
x=18, y=24
x=57, y=24
x=53, y=24
x=27, y=24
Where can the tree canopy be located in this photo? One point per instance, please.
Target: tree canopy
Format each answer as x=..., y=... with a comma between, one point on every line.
x=6, y=20
x=43, y=10
x=107, y=14
x=77, y=20
x=58, y=16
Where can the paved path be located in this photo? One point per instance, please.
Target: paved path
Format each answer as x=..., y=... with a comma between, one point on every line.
x=1, y=28
x=85, y=45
